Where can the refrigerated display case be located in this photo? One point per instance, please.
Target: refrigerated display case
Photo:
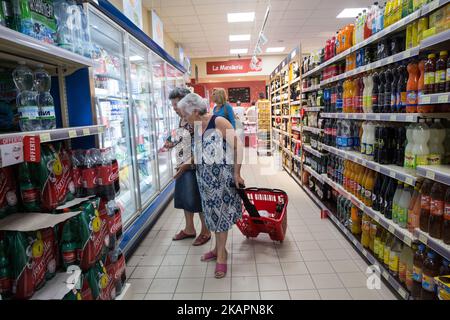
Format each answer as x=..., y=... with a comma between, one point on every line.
x=112, y=104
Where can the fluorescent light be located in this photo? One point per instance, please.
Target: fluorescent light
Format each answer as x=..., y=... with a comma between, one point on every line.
x=349, y=13
x=275, y=49
x=241, y=17
x=239, y=37
x=136, y=58
x=238, y=51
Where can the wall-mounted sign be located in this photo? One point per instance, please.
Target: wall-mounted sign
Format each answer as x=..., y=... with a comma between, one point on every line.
x=232, y=66
x=157, y=29
x=133, y=10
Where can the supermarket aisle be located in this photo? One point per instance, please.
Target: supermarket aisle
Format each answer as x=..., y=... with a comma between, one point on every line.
x=314, y=262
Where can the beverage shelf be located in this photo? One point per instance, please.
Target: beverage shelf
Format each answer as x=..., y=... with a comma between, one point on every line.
x=296, y=128
x=276, y=142
x=403, y=234
x=374, y=65
x=296, y=140
x=313, y=173
x=287, y=150
x=312, y=88
x=286, y=117
x=439, y=173
x=126, y=294
x=297, y=157
x=294, y=103
x=311, y=150
x=287, y=169
x=405, y=175
x=391, y=117
x=436, y=42
x=276, y=91
x=296, y=80
x=372, y=260
x=401, y=24
x=313, y=109
x=437, y=245
x=18, y=46
x=285, y=86
x=435, y=98
x=312, y=129
x=295, y=116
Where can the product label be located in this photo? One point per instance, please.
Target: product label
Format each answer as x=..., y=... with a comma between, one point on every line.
x=421, y=160
x=30, y=195
x=363, y=191
x=89, y=178
x=393, y=261
x=429, y=78
x=105, y=176
x=366, y=226
x=417, y=274
x=402, y=216
x=47, y=113
x=376, y=247
x=410, y=160
x=393, y=100
x=28, y=113
x=386, y=255
x=394, y=212
x=5, y=285
x=437, y=207
x=339, y=104
x=425, y=202
x=447, y=211
x=374, y=197
x=448, y=75
x=77, y=177
x=375, y=100
x=440, y=76
x=369, y=149
x=368, y=194
x=434, y=159
x=411, y=98
x=381, y=251
x=428, y=283
x=412, y=219
x=402, y=270
x=363, y=148
x=333, y=98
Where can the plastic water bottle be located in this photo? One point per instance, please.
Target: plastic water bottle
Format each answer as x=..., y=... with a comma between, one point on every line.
x=364, y=139
x=64, y=35
x=421, y=152
x=45, y=102
x=436, y=143
x=26, y=100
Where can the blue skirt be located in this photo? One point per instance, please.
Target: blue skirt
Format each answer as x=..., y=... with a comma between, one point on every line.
x=187, y=195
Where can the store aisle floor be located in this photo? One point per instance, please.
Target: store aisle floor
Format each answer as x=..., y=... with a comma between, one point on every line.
x=314, y=262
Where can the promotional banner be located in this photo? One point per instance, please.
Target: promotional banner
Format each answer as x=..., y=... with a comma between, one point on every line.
x=157, y=29
x=232, y=66
x=133, y=10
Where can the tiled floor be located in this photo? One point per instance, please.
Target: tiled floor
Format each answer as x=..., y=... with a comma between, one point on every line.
x=314, y=262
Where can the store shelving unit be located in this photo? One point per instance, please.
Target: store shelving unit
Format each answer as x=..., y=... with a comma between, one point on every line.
x=263, y=127
x=386, y=117
x=439, y=173
x=309, y=149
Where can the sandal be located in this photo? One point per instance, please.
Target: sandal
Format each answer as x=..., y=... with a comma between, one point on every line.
x=221, y=270
x=201, y=240
x=209, y=256
x=183, y=235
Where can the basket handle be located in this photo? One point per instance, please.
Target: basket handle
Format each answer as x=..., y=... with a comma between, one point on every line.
x=265, y=189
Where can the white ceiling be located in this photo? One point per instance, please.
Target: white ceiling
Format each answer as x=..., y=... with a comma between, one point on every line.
x=201, y=26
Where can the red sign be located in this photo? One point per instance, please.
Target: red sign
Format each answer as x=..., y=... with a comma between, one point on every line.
x=232, y=66
x=32, y=149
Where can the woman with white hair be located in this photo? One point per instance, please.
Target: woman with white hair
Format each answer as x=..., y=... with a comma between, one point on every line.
x=217, y=159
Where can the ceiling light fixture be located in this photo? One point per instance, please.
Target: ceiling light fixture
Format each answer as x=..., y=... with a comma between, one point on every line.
x=241, y=17
x=239, y=37
x=262, y=39
x=238, y=51
x=349, y=13
x=136, y=58
x=275, y=49
x=258, y=50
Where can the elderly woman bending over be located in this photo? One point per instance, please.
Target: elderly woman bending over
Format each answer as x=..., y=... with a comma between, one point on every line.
x=218, y=159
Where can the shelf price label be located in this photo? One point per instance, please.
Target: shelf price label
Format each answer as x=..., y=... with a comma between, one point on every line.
x=378, y=117
x=45, y=137
x=409, y=181
x=72, y=133
x=409, y=119
x=407, y=241
x=402, y=293
x=423, y=238
x=433, y=5
x=376, y=218
x=392, y=174
x=86, y=132
x=385, y=274
x=391, y=228
x=101, y=129
x=443, y=98
x=377, y=168
x=426, y=100
x=390, y=60
x=430, y=175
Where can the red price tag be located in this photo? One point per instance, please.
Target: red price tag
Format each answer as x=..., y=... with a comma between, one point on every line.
x=32, y=149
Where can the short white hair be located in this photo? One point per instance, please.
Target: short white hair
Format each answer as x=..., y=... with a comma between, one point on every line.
x=191, y=103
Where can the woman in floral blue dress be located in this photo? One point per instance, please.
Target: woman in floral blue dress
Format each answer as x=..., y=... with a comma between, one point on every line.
x=218, y=159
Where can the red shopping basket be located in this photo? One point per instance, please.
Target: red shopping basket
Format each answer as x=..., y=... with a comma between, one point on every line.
x=265, y=199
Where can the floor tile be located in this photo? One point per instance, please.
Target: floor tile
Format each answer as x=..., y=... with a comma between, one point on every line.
x=169, y=272
x=272, y=283
x=317, y=267
x=133, y=261
x=364, y=294
x=217, y=285
x=286, y=246
x=140, y=251
x=178, y=250
x=337, y=254
x=187, y=296
x=186, y=285
x=266, y=257
x=158, y=296
x=313, y=255
x=329, y=244
x=163, y=286
x=269, y=269
x=341, y=266
x=354, y=280
x=304, y=295
x=216, y=296
x=334, y=294
x=144, y=273
x=153, y=260
x=138, y=296
x=157, y=249
x=244, y=270
x=193, y=260
x=275, y=295
x=243, y=258
x=327, y=281
x=242, y=284
x=294, y=268
x=245, y=295
x=140, y=285
x=193, y=271
x=308, y=245
x=174, y=260
x=290, y=256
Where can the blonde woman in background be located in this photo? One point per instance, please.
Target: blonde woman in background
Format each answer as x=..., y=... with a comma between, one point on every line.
x=221, y=106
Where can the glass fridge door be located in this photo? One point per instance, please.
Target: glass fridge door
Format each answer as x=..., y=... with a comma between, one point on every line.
x=161, y=117
x=174, y=119
x=144, y=129
x=112, y=104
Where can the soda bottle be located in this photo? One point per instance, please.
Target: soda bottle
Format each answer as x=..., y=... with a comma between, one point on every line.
x=410, y=266
x=334, y=133
x=374, y=94
x=69, y=244
x=381, y=91
x=78, y=160
x=369, y=187
x=418, y=260
x=409, y=157
x=377, y=241
x=414, y=209
x=370, y=146
x=105, y=175
x=412, y=87
x=29, y=188
x=387, y=249
x=5, y=272
x=89, y=174
x=45, y=100
x=354, y=107
x=388, y=198
x=387, y=90
x=114, y=224
x=365, y=228
x=356, y=221
x=430, y=270
x=333, y=98
x=401, y=144
x=339, y=97
x=420, y=150
x=394, y=87
x=380, y=196
x=437, y=207
x=362, y=191
x=26, y=99
x=436, y=143
x=441, y=67
x=405, y=255
x=403, y=205
x=396, y=201
x=376, y=191
x=401, y=89
x=394, y=257
x=447, y=77
x=373, y=231
x=430, y=74
x=446, y=222
x=425, y=205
